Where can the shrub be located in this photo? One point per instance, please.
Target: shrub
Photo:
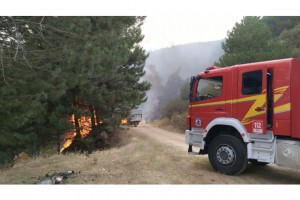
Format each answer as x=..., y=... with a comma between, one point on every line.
x=175, y=107
x=178, y=121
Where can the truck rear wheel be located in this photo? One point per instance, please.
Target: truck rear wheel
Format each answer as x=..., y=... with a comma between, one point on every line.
x=228, y=154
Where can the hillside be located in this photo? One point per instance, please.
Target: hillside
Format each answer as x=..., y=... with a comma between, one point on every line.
x=187, y=59
x=167, y=70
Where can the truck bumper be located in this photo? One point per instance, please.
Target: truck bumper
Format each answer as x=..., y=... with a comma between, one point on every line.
x=194, y=138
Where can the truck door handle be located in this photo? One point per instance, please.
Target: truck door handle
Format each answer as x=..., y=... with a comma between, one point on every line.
x=259, y=109
x=219, y=109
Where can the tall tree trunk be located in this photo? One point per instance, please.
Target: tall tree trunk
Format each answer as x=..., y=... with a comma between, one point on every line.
x=93, y=120
x=58, y=142
x=77, y=127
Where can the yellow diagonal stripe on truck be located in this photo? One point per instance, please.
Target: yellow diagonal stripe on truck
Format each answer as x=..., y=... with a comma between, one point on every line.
x=281, y=89
x=282, y=108
x=252, y=98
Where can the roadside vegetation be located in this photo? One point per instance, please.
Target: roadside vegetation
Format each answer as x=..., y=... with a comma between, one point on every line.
x=138, y=159
x=175, y=111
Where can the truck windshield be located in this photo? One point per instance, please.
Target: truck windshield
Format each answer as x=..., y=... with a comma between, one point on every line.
x=209, y=88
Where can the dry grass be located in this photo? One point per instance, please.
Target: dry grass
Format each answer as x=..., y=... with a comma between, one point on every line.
x=166, y=125
x=137, y=160
x=142, y=161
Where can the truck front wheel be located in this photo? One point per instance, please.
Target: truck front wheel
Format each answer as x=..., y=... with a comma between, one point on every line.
x=228, y=154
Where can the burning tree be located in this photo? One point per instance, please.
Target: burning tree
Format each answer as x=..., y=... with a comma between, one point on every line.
x=50, y=65
x=81, y=127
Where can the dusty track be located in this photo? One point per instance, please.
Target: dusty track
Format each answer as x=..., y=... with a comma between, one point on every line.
x=163, y=136
x=270, y=174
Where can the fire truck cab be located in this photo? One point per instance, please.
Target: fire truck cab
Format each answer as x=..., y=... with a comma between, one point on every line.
x=246, y=113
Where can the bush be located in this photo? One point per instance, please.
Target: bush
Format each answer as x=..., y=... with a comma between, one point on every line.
x=178, y=121
x=175, y=107
x=176, y=111
x=4, y=159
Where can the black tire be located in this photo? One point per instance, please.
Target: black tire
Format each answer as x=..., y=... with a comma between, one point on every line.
x=257, y=163
x=228, y=155
x=136, y=124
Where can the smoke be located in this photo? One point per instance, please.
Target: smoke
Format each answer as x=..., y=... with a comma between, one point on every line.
x=150, y=107
x=167, y=70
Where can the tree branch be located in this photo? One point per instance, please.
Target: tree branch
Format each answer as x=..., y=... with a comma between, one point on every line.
x=3, y=74
x=38, y=23
x=28, y=63
x=18, y=38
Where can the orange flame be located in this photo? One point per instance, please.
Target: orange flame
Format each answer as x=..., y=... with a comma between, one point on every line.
x=124, y=121
x=85, y=125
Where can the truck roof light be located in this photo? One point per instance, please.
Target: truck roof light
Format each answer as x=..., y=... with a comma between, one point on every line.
x=211, y=68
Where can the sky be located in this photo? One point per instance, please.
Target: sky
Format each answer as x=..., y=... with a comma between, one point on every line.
x=168, y=22
x=167, y=31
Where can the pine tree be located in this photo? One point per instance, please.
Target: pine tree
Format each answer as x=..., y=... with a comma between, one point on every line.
x=278, y=24
x=251, y=41
x=53, y=67
x=292, y=37
x=30, y=65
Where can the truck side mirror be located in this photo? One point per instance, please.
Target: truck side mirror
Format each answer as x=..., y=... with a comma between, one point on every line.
x=193, y=78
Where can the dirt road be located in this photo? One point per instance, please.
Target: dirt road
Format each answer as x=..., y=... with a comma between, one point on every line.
x=166, y=137
x=270, y=174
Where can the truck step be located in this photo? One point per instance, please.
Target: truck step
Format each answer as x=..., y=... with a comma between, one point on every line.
x=193, y=153
x=261, y=140
x=262, y=149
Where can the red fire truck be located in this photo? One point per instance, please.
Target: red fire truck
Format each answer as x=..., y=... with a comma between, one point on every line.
x=246, y=113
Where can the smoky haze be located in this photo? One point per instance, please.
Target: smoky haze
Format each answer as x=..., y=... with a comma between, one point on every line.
x=167, y=70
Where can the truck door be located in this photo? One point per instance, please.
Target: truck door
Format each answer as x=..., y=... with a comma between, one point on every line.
x=209, y=100
x=251, y=99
